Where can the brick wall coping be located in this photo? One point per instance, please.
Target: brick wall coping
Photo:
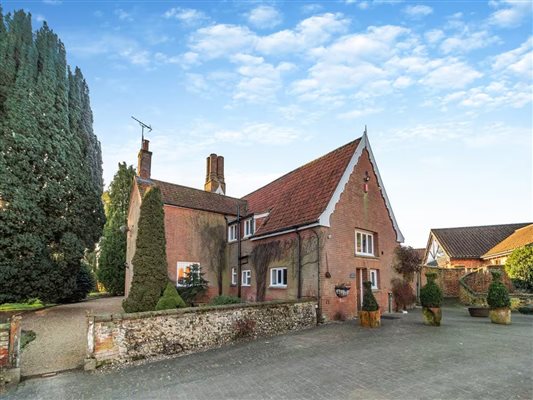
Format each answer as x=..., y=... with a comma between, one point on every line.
x=188, y=310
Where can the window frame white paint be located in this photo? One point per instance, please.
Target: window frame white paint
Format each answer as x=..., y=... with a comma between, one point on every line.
x=234, y=276
x=283, y=275
x=232, y=233
x=246, y=277
x=249, y=227
x=375, y=282
x=183, y=265
x=366, y=235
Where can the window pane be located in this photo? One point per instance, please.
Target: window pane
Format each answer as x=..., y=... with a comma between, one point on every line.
x=358, y=242
x=284, y=276
x=364, y=244
x=370, y=244
x=272, y=276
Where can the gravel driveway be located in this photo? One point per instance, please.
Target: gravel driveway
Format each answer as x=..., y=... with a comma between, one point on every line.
x=61, y=335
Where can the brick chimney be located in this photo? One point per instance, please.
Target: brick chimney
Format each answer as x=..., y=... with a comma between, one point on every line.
x=144, y=165
x=214, y=178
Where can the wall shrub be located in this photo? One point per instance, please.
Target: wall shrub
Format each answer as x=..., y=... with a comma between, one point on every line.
x=170, y=299
x=223, y=299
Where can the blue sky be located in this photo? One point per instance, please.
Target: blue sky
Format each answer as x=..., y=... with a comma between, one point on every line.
x=444, y=87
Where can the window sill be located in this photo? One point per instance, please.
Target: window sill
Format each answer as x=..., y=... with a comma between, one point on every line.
x=278, y=287
x=246, y=285
x=370, y=257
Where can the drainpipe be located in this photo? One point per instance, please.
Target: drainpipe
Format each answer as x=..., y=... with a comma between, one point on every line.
x=299, y=264
x=239, y=261
x=319, y=307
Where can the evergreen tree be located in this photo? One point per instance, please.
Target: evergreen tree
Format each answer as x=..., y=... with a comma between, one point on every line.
x=111, y=263
x=150, y=260
x=50, y=209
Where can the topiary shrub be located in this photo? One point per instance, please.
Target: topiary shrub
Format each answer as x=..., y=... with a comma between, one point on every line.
x=369, y=301
x=223, y=299
x=431, y=294
x=170, y=299
x=498, y=295
x=150, y=259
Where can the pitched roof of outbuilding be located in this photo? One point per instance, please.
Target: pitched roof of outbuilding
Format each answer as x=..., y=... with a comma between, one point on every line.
x=521, y=237
x=299, y=197
x=473, y=241
x=183, y=196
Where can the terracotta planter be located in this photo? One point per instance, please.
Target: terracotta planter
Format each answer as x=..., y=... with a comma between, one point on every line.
x=432, y=315
x=478, y=311
x=500, y=316
x=370, y=319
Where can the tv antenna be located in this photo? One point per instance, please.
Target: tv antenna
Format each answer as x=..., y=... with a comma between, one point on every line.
x=143, y=127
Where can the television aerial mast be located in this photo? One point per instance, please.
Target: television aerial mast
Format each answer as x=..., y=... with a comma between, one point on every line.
x=143, y=127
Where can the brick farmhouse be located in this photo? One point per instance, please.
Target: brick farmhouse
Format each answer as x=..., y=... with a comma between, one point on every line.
x=317, y=232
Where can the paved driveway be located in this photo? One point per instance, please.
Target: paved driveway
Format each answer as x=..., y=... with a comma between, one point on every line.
x=61, y=342
x=466, y=358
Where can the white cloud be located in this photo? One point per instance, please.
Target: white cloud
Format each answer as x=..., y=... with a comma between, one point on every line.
x=52, y=2
x=433, y=36
x=510, y=13
x=311, y=8
x=358, y=113
x=496, y=95
x=260, y=81
x=260, y=133
x=468, y=41
x=39, y=17
x=453, y=74
x=518, y=61
x=264, y=17
x=186, y=16
x=418, y=11
x=222, y=40
x=123, y=15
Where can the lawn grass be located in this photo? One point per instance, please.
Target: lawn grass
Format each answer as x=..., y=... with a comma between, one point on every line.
x=21, y=306
x=96, y=295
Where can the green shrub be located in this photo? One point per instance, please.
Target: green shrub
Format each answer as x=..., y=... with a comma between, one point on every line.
x=85, y=283
x=170, y=299
x=369, y=301
x=222, y=299
x=430, y=294
x=150, y=258
x=498, y=295
x=519, y=267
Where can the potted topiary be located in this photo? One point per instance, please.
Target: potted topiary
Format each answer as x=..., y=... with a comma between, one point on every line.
x=369, y=316
x=431, y=299
x=498, y=300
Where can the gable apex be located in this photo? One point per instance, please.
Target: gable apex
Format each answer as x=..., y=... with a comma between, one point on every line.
x=363, y=144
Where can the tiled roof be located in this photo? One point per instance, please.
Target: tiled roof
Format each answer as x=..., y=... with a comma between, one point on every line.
x=183, y=196
x=299, y=197
x=521, y=237
x=473, y=241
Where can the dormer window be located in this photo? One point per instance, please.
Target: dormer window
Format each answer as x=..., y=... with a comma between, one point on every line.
x=249, y=227
x=232, y=233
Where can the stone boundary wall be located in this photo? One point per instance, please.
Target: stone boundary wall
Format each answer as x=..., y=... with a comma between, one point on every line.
x=447, y=279
x=129, y=337
x=470, y=297
x=10, y=351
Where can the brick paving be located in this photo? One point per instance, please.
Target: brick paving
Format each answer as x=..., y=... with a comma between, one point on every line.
x=465, y=358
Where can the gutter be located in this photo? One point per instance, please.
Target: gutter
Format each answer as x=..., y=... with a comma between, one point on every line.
x=284, y=231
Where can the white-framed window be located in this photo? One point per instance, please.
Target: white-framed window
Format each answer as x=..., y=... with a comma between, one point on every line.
x=278, y=277
x=234, y=276
x=364, y=243
x=249, y=227
x=246, y=278
x=232, y=233
x=374, y=279
x=182, y=270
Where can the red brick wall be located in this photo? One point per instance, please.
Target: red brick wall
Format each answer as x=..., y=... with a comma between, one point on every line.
x=480, y=280
x=447, y=279
x=365, y=211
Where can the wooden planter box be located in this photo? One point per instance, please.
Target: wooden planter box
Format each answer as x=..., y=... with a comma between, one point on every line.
x=370, y=319
x=478, y=311
x=432, y=315
x=500, y=316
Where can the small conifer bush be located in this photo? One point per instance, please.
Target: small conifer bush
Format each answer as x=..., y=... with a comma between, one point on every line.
x=170, y=299
x=369, y=301
x=430, y=294
x=498, y=296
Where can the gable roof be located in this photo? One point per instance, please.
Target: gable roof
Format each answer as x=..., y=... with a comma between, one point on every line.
x=299, y=197
x=521, y=237
x=308, y=194
x=472, y=241
x=183, y=196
